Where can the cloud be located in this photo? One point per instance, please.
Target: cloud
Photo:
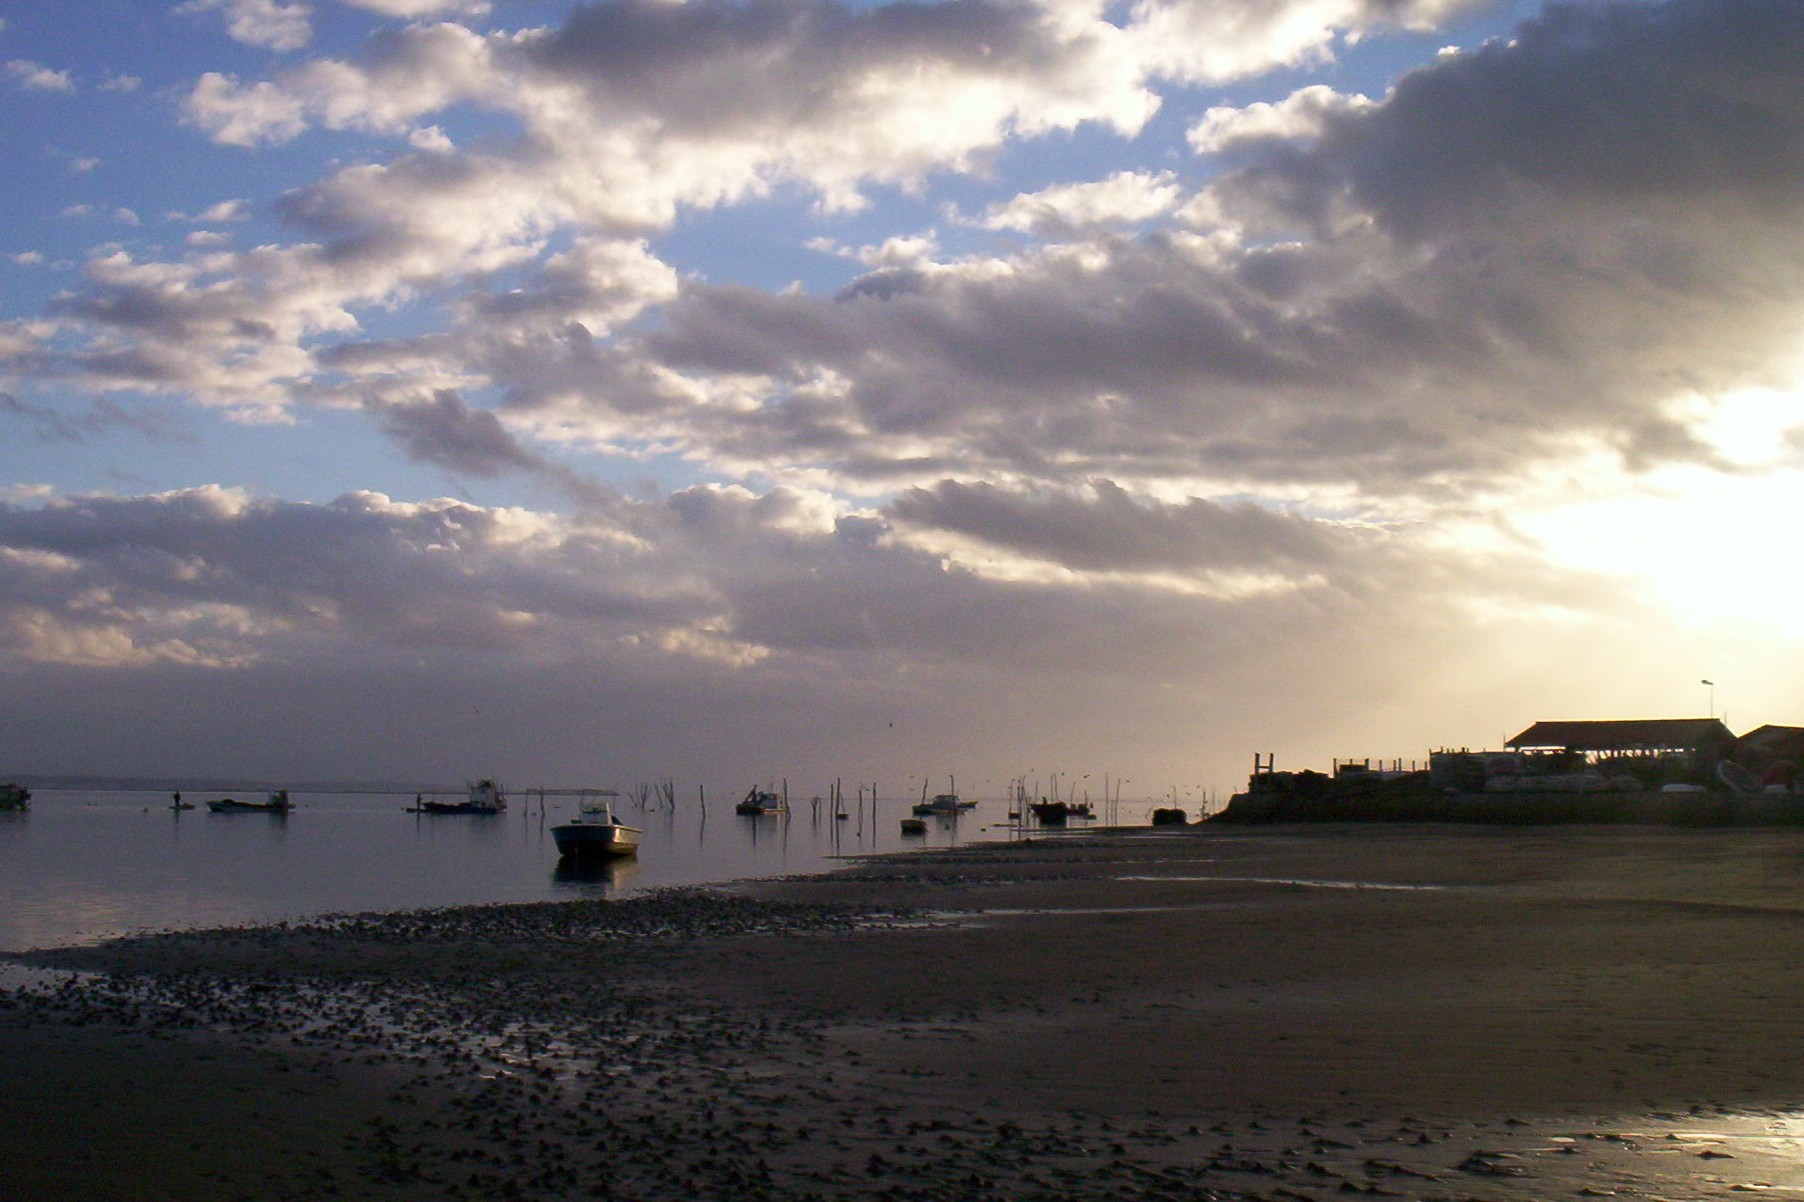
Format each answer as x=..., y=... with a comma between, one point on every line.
x=1125, y=198
x=225, y=210
x=689, y=631
x=1110, y=531
x=240, y=116
x=237, y=579
x=1505, y=263
x=1299, y=117
x=414, y=10
x=266, y=23
x=1669, y=106
x=54, y=424
x=1200, y=41
x=35, y=77
x=622, y=118
x=445, y=431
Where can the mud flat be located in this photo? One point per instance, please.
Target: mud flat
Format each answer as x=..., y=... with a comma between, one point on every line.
x=1423, y=1011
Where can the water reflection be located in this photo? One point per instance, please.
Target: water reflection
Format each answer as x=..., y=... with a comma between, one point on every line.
x=85, y=865
x=592, y=876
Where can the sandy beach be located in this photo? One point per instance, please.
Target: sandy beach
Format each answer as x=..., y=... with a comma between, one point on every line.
x=1423, y=1012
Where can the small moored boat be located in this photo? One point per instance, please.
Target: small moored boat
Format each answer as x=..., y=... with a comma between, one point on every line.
x=485, y=797
x=276, y=803
x=596, y=832
x=942, y=803
x=1054, y=813
x=761, y=801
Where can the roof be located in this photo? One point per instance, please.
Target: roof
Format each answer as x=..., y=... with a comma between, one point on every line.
x=1783, y=739
x=1626, y=734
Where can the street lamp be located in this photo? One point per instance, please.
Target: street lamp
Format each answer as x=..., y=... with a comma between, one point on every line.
x=1712, y=685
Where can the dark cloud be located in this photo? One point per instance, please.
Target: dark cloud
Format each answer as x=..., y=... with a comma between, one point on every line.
x=1111, y=531
x=53, y=424
x=1679, y=104
x=446, y=432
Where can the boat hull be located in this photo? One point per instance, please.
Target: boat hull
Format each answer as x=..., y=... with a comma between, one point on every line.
x=756, y=804
x=596, y=840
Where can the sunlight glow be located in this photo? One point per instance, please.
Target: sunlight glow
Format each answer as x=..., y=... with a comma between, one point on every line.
x=1706, y=545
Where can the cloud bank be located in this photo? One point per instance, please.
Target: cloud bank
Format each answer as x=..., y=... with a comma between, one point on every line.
x=1165, y=439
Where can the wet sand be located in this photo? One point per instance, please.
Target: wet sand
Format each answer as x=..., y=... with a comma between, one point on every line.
x=1425, y=1012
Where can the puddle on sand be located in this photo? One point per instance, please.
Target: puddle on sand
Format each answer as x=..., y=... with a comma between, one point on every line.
x=18, y=978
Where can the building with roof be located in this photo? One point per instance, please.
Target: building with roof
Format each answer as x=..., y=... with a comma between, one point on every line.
x=1704, y=739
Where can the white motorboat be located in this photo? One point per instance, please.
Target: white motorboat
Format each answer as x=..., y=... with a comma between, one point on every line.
x=596, y=831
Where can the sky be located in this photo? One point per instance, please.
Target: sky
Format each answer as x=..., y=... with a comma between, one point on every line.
x=738, y=390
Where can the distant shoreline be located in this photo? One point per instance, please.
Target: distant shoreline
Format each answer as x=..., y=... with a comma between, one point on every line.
x=166, y=785
x=1524, y=808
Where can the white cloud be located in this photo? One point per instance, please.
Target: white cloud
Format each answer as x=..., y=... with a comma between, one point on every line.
x=244, y=116
x=225, y=210
x=1125, y=198
x=432, y=140
x=1299, y=117
x=425, y=69
x=1216, y=40
x=266, y=23
x=35, y=77
x=420, y=9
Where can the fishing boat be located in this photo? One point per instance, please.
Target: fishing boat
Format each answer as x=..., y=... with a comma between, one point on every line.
x=14, y=797
x=485, y=797
x=942, y=803
x=1055, y=813
x=596, y=832
x=276, y=803
x=761, y=801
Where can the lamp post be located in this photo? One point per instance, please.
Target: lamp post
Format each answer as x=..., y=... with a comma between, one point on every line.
x=1712, y=685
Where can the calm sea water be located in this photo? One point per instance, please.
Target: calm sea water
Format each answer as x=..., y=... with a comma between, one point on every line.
x=81, y=866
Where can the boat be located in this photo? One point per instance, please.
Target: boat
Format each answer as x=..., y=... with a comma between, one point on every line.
x=276, y=803
x=14, y=797
x=595, y=832
x=942, y=803
x=1054, y=813
x=761, y=801
x=485, y=797
x=914, y=826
